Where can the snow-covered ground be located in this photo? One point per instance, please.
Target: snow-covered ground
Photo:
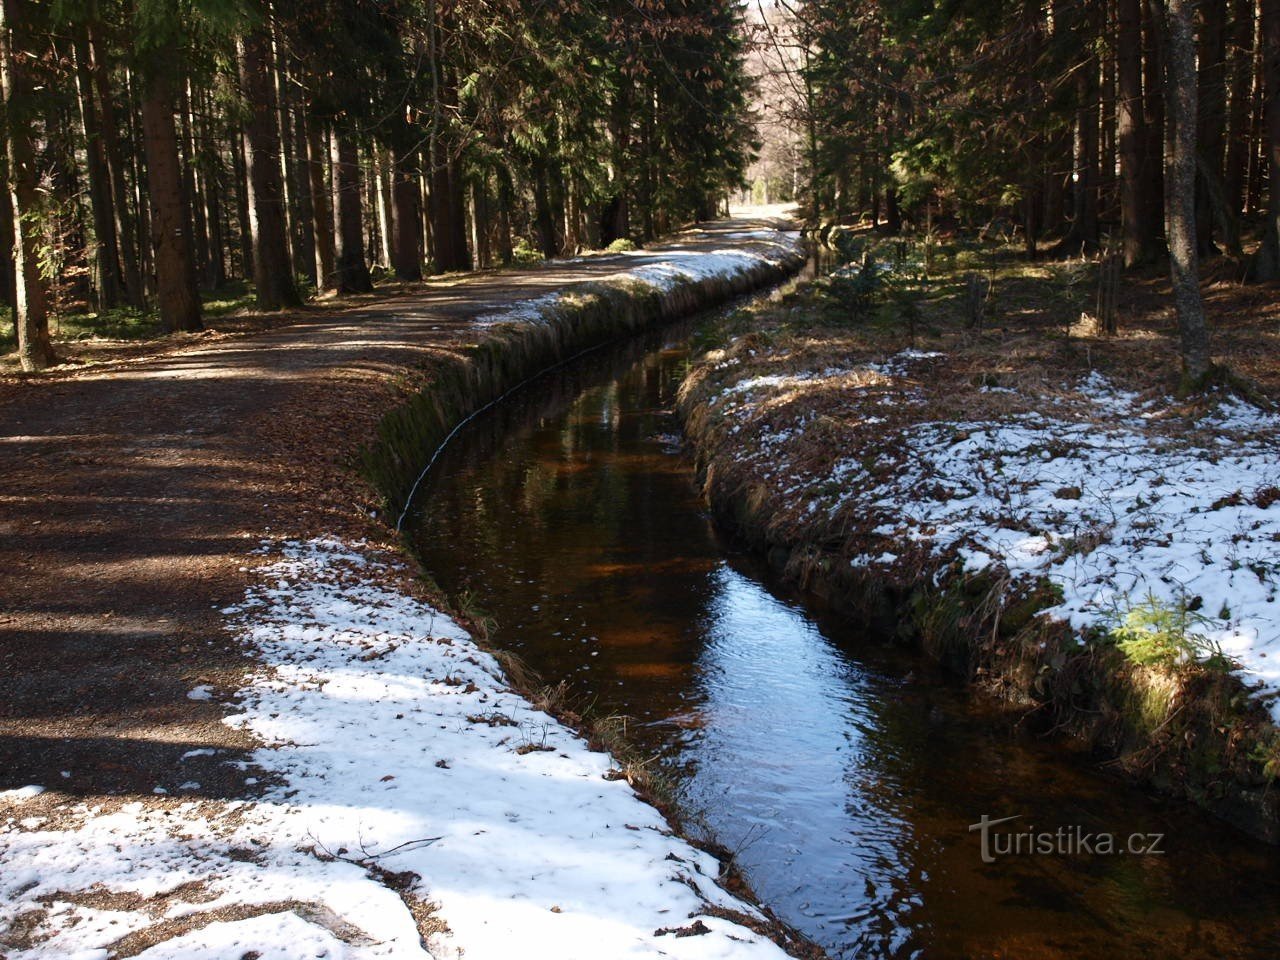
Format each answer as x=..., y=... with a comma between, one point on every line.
x=1112, y=497
x=667, y=269
x=404, y=778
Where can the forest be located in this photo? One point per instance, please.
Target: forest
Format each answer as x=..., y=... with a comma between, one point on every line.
x=158, y=150
x=1141, y=129
x=585, y=479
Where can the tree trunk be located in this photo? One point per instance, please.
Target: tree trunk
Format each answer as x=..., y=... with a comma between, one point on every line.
x=1181, y=192
x=321, y=209
x=199, y=230
x=1266, y=262
x=484, y=227
x=1239, y=82
x=304, y=248
x=1084, y=194
x=543, y=218
x=106, y=247
x=272, y=265
x=126, y=224
x=170, y=231
x=210, y=171
x=1136, y=224
x=506, y=201
x=617, y=216
x=1212, y=105
x=351, y=273
x=406, y=216
x=244, y=226
x=1033, y=98
x=8, y=283
x=31, y=304
x=1153, y=113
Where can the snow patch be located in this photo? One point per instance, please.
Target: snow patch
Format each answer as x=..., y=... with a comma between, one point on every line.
x=381, y=765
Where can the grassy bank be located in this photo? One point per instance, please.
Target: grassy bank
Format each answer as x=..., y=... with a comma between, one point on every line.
x=946, y=443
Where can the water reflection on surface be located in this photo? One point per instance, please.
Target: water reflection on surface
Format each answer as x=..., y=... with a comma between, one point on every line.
x=842, y=771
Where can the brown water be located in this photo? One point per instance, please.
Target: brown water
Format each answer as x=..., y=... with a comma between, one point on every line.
x=842, y=771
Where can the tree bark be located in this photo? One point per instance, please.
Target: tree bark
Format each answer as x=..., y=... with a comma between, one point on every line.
x=244, y=225
x=170, y=231
x=199, y=229
x=1212, y=105
x=321, y=210
x=1239, y=83
x=351, y=273
x=31, y=303
x=543, y=218
x=1033, y=98
x=272, y=264
x=106, y=247
x=1084, y=194
x=406, y=216
x=1136, y=225
x=304, y=248
x=1184, y=263
x=1153, y=113
x=506, y=201
x=1266, y=262
x=126, y=224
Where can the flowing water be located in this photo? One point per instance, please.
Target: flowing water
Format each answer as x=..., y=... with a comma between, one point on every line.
x=842, y=771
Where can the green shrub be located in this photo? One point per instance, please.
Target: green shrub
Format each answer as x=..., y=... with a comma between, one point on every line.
x=525, y=252
x=622, y=245
x=1155, y=632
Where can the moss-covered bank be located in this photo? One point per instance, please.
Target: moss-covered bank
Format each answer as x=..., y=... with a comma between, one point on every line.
x=763, y=424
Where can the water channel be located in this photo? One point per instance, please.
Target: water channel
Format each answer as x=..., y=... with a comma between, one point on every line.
x=843, y=771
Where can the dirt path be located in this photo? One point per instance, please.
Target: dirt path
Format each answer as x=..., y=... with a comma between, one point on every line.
x=134, y=494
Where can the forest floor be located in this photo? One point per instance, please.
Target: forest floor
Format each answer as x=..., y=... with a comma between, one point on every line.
x=138, y=493
x=883, y=442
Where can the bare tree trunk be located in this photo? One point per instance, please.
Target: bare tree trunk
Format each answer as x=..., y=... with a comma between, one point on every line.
x=380, y=191
x=1181, y=192
x=170, y=233
x=244, y=225
x=1239, y=82
x=505, y=203
x=210, y=171
x=126, y=224
x=1084, y=228
x=1266, y=262
x=304, y=248
x=1033, y=97
x=321, y=211
x=1136, y=224
x=1212, y=106
x=106, y=248
x=272, y=265
x=1153, y=112
x=31, y=303
x=406, y=215
x=8, y=283
x=543, y=217
x=199, y=230
x=351, y=274
x=482, y=204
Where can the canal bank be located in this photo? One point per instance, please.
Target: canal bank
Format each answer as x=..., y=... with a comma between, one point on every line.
x=840, y=770
x=1047, y=522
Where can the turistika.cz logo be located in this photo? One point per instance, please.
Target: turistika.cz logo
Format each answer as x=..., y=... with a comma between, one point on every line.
x=1064, y=841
